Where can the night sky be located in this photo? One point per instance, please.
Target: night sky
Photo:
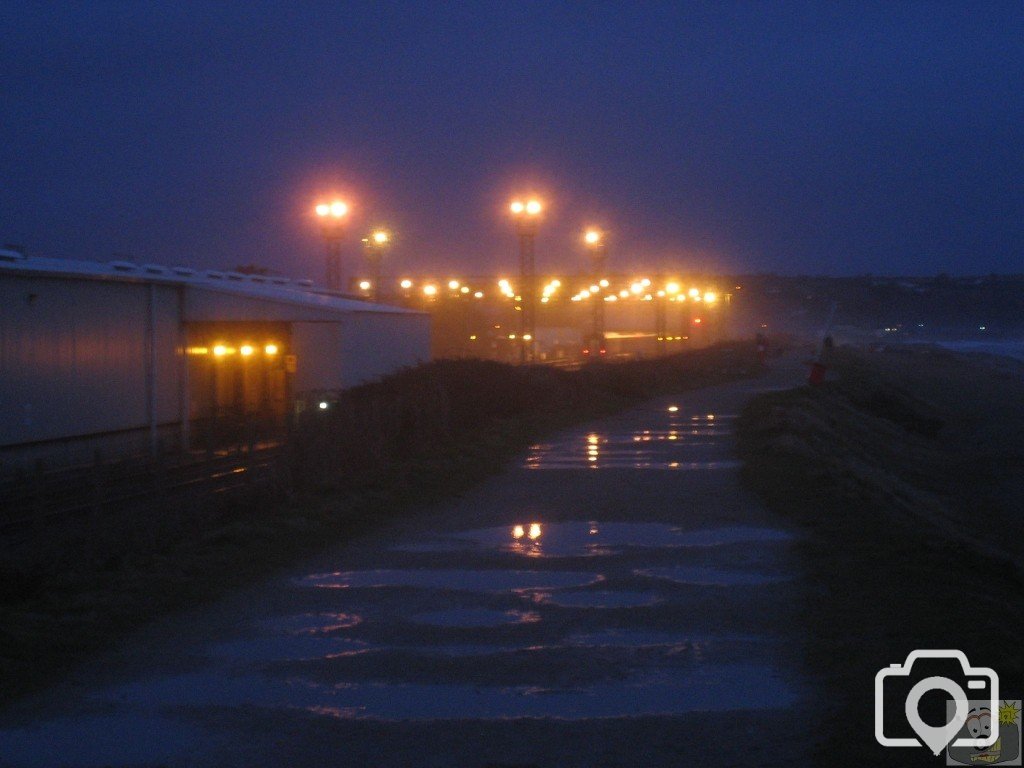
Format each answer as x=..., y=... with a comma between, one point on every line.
x=787, y=137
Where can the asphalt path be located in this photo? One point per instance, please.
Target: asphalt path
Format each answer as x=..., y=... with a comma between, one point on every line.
x=615, y=597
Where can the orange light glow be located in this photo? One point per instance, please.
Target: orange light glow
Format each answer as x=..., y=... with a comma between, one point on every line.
x=531, y=207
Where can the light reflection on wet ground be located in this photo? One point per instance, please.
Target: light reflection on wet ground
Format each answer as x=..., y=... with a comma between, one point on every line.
x=475, y=617
x=544, y=595
x=468, y=581
x=616, y=599
x=706, y=577
x=682, y=442
x=575, y=539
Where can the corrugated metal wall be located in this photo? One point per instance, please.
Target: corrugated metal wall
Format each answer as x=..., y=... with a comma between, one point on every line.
x=74, y=356
x=362, y=347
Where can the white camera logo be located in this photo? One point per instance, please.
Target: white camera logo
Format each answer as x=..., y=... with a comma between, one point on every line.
x=978, y=678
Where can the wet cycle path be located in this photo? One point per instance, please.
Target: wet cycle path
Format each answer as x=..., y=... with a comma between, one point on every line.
x=613, y=598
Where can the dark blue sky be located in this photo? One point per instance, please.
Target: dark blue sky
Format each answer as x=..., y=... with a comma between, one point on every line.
x=789, y=137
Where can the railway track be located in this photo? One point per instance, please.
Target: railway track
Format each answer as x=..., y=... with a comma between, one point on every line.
x=37, y=497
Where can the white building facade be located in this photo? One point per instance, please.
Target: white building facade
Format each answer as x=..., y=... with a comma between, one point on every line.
x=126, y=358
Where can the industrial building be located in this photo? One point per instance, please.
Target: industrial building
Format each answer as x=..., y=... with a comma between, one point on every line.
x=122, y=357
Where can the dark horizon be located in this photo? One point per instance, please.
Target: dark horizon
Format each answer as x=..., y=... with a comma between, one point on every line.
x=743, y=139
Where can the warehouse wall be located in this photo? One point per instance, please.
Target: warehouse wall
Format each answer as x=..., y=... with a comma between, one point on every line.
x=74, y=356
x=360, y=348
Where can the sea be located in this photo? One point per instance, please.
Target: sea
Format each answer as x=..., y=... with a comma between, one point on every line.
x=1012, y=349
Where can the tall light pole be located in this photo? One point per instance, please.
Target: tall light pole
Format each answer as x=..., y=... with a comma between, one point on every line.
x=661, y=320
x=527, y=216
x=594, y=239
x=332, y=216
x=376, y=244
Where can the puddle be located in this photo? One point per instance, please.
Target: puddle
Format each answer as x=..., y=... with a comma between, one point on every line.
x=311, y=623
x=685, y=442
x=639, y=638
x=706, y=577
x=692, y=687
x=465, y=581
x=475, y=617
x=576, y=539
x=739, y=534
x=284, y=648
x=596, y=599
x=640, y=463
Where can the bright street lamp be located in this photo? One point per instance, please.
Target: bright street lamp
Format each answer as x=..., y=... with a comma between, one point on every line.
x=594, y=239
x=331, y=216
x=527, y=215
x=376, y=244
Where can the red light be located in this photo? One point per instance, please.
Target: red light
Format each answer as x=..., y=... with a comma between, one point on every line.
x=604, y=351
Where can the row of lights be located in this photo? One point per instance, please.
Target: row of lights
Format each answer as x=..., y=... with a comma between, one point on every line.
x=523, y=210
x=638, y=288
x=223, y=350
x=641, y=290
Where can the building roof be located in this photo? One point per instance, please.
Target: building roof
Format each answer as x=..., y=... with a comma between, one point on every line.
x=299, y=293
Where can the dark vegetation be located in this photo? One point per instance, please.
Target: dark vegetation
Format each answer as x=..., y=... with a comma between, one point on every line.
x=907, y=474
x=69, y=587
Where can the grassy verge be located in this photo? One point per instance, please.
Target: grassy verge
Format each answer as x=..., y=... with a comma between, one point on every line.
x=906, y=475
x=70, y=588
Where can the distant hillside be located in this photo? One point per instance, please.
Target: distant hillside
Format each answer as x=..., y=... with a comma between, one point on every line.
x=925, y=308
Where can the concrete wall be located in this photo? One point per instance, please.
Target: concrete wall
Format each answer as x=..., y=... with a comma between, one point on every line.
x=360, y=348
x=75, y=357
